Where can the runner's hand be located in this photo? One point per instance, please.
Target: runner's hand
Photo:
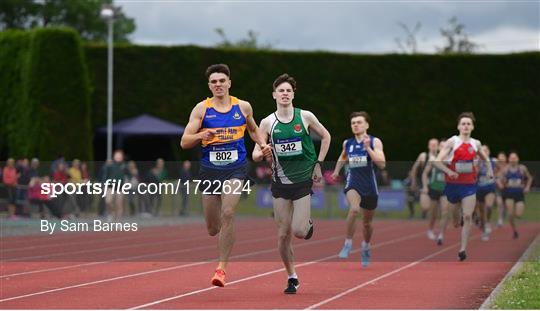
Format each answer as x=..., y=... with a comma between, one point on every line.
x=208, y=134
x=366, y=141
x=452, y=174
x=267, y=152
x=317, y=173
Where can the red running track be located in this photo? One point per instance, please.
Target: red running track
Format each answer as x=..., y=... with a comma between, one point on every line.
x=408, y=270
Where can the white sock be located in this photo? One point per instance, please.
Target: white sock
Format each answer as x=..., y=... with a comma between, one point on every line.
x=441, y=236
x=293, y=276
x=348, y=242
x=365, y=245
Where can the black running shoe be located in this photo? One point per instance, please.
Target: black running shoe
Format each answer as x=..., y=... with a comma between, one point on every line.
x=292, y=286
x=516, y=235
x=310, y=231
x=461, y=222
x=439, y=241
x=462, y=255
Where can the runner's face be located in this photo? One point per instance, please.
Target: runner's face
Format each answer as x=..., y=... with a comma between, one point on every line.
x=359, y=125
x=284, y=94
x=465, y=126
x=513, y=159
x=219, y=84
x=433, y=144
x=501, y=158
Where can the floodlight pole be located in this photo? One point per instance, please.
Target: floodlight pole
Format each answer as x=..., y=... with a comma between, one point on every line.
x=107, y=13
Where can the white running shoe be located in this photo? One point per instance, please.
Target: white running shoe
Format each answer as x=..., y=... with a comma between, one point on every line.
x=431, y=235
x=488, y=228
x=485, y=236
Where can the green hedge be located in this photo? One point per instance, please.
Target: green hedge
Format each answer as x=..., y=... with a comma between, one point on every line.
x=49, y=95
x=410, y=98
x=13, y=56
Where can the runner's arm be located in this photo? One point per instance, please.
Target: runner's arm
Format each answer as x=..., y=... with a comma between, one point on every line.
x=529, y=179
x=192, y=136
x=253, y=130
x=314, y=124
x=340, y=161
x=486, y=160
x=377, y=153
x=414, y=170
x=440, y=158
x=425, y=174
x=257, y=154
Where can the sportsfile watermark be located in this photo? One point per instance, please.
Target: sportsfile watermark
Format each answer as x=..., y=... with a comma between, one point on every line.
x=111, y=186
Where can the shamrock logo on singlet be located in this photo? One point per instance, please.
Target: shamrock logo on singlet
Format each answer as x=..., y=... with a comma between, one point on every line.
x=297, y=128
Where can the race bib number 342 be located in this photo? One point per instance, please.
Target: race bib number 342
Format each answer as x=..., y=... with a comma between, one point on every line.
x=223, y=157
x=289, y=148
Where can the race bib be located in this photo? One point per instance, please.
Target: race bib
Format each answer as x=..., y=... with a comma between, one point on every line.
x=289, y=147
x=357, y=161
x=464, y=167
x=514, y=183
x=223, y=157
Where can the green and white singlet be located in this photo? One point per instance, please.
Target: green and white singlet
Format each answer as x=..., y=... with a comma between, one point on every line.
x=293, y=151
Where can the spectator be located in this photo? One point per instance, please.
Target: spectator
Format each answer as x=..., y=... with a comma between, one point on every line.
x=75, y=177
x=42, y=200
x=133, y=179
x=185, y=175
x=85, y=197
x=9, y=178
x=34, y=168
x=160, y=173
x=55, y=163
x=115, y=171
x=60, y=176
x=23, y=173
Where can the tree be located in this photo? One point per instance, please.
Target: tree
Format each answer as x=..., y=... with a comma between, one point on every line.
x=409, y=44
x=250, y=43
x=83, y=16
x=457, y=41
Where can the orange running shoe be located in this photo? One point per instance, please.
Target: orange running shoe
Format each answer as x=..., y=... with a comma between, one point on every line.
x=219, y=278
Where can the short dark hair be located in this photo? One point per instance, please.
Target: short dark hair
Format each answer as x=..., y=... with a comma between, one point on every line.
x=282, y=79
x=361, y=114
x=467, y=114
x=219, y=68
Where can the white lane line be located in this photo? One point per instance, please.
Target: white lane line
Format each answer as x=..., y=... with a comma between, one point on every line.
x=153, y=303
x=167, y=269
x=135, y=257
x=412, y=264
x=103, y=249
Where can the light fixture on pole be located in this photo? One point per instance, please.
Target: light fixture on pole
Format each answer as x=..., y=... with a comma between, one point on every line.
x=107, y=13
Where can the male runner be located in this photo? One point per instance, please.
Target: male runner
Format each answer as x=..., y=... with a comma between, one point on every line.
x=295, y=166
x=502, y=162
x=485, y=195
x=416, y=172
x=361, y=152
x=218, y=124
x=433, y=186
x=460, y=151
x=515, y=181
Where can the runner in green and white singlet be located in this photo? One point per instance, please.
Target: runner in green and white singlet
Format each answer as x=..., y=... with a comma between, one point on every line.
x=294, y=153
x=433, y=181
x=295, y=166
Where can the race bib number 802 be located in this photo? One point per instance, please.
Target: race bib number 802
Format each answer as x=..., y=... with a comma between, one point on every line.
x=223, y=157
